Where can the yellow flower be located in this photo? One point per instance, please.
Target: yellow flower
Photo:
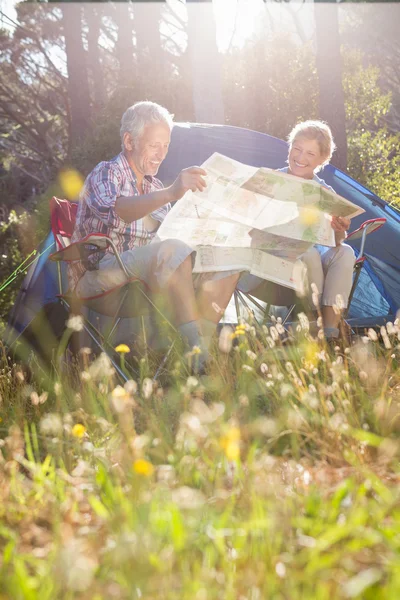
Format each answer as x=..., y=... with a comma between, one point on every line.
x=143, y=467
x=230, y=443
x=78, y=430
x=196, y=350
x=71, y=182
x=122, y=349
x=310, y=353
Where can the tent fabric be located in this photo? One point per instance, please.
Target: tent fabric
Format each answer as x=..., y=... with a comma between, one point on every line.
x=378, y=290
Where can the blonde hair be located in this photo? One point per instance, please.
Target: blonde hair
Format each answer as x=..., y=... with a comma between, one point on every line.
x=318, y=131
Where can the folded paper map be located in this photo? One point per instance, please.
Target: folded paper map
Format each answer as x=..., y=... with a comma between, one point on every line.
x=254, y=219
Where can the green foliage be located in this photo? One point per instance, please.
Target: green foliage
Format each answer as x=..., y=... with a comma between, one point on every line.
x=373, y=152
x=276, y=476
x=277, y=91
x=14, y=248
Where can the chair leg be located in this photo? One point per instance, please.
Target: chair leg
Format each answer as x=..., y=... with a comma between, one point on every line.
x=358, y=268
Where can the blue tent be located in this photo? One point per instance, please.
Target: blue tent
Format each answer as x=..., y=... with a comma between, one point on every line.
x=377, y=297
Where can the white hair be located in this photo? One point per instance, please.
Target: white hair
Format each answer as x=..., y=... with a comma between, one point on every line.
x=141, y=114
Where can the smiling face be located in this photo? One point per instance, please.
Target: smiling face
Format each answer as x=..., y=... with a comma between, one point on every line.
x=146, y=153
x=304, y=157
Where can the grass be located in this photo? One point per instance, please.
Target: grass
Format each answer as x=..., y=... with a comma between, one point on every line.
x=274, y=477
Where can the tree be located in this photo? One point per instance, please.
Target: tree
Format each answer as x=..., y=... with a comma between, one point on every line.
x=78, y=85
x=205, y=64
x=329, y=68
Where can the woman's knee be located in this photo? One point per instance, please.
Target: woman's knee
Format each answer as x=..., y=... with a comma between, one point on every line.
x=345, y=255
x=311, y=258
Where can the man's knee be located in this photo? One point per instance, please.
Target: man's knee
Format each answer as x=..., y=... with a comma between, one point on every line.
x=173, y=248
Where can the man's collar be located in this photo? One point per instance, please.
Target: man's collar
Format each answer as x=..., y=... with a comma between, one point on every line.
x=127, y=166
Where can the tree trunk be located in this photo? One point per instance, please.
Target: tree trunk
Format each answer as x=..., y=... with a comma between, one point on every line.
x=124, y=45
x=206, y=64
x=93, y=14
x=329, y=68
x=78, y=85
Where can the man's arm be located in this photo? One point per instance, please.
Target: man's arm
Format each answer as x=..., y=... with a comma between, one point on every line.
x=132, y=208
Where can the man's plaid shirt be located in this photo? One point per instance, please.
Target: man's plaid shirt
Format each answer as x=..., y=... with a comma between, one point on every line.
x=96, y=211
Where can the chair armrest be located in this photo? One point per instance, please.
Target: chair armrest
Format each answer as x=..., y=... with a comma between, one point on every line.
x=365, y=228
x=368, y=226
x=83, y=248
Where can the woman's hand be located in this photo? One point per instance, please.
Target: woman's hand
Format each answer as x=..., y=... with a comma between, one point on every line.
x=340, y=224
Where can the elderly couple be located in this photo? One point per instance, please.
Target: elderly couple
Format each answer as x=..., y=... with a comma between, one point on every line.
x=123, y=199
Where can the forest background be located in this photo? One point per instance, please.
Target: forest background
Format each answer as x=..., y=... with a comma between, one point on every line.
x=69, y=70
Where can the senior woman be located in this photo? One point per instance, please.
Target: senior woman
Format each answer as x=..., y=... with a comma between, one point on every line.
x=311, y=147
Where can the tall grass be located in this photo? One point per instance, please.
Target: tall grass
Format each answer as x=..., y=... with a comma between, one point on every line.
x=274, y=476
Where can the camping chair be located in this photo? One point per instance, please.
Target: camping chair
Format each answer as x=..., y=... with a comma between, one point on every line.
x=367, y=227
x=127, y=300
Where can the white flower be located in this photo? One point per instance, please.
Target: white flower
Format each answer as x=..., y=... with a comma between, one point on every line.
x=251, y=355
x=225, y=339
x=147, y=388
x=263, y=368
x=131, y=387
x=36, y=399
x=304, y=322
x=51, y=424
x=75, y=323
x=188, y=498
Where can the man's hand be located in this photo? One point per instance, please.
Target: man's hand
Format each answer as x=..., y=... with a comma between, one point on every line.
x=340, y=224
x=188, y=179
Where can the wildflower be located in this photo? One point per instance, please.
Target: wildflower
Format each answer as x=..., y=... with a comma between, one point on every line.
x=243, y=400
x=192, y=382
x=274, y=333
x=131, y=387
x=247, y=368
x=147, y=388
x=51, y=425
x=239, y=330
x=143, y=467
x=57, y=388
x=120, y=399
x=230, y=443
x=270, y=341
x=390, y=328
x=196, y=350
x=251, y=355
x=78, y=430
x=304, y=322
x=225, y=340
x=372, y=335
x=263, y=368
x=122, y=349
x=188, y=498
x=385, y=338
x=340, y=302
x=75, y=323
x=280, y=569
x=36, y=399
x=20, y=376
x=101, y=367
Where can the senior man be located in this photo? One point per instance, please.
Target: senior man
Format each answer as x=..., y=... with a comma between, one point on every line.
x=123, y=199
